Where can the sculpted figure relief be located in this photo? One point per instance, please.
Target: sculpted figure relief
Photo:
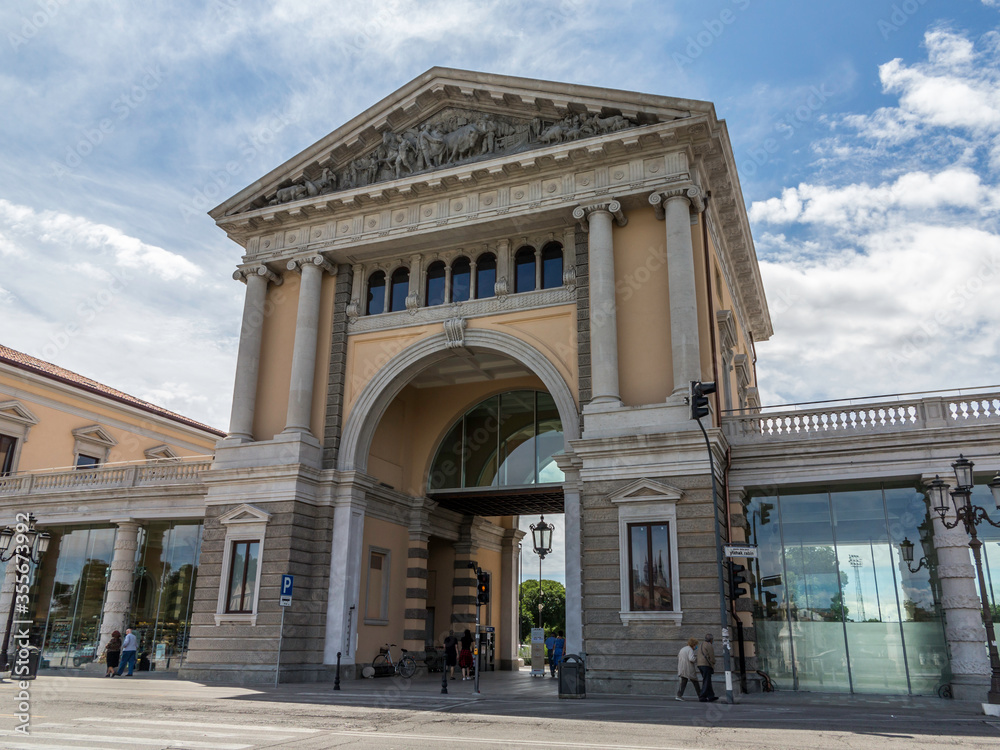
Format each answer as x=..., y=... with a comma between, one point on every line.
x=451, y=137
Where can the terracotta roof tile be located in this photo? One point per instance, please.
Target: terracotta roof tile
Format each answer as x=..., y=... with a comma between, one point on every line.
x=47, y=369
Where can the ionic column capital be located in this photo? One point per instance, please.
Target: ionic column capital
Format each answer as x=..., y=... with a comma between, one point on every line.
x=244, y=273
x=612, y=207
x=296, y=264
x=692, y=194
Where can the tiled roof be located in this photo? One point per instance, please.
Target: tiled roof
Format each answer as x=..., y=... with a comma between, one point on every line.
x=47, y=369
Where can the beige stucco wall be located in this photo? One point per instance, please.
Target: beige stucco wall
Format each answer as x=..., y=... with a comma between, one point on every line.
x=322, y=372
x=383, y=535
x=60, y=409
x=277, y=343
x=642, y=300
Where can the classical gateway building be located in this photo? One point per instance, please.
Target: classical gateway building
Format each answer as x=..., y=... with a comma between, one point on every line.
x=487, y=297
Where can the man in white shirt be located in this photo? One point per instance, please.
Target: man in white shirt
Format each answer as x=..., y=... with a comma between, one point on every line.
x=129, y=647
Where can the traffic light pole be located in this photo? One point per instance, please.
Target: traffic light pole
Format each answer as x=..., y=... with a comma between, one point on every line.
x=723, y=615
x=479, y=651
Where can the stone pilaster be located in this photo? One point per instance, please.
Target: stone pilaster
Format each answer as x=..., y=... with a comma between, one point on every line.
x=963, y=611
x=684, y=331
x=603, y=311
x=248, y=356
x=415, y=625
x=510, y=548
x=463, y=598
x=573, y=521
x=345, y=574
x=120, y=582
x=300, y=391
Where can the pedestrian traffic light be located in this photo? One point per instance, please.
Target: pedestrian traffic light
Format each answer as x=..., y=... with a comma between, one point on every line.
x=738, y=576
x=482, y=587
x=765, y=512
x=698, y=398
x=770, y=602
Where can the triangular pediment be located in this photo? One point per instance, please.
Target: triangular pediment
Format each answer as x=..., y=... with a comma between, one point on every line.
x=160, y=452
x=95, y=434
x=244, y=514
x=450, y=117
x=646, y=490
x=16, y=412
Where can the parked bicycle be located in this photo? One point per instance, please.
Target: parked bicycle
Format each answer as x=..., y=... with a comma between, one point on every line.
x=383, y=663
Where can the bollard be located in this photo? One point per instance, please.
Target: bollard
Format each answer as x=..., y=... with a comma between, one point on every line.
x=444, y=680
x=336, y=679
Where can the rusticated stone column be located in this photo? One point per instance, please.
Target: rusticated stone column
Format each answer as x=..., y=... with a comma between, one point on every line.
x=300, y=391
x=120, y=582
x=603, y=311
x=963, y=611
x=415, y=625
x=248, y=356
x=684, y=331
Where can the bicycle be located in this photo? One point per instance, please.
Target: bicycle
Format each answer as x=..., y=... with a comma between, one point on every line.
x=405, y=667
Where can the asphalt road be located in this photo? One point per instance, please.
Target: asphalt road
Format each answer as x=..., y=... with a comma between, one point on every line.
x=513, y=711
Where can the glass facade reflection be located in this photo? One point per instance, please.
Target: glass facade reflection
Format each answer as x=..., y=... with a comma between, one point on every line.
x=836, y=607
x=68, y=592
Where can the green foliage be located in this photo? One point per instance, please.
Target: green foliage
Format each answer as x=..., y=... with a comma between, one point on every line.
x=553, y=611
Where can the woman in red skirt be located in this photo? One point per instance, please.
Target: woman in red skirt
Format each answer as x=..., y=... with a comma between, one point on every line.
x=465, y=655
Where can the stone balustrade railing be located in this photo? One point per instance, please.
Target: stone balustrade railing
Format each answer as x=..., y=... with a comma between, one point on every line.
x=151, y=473
x=880, y=417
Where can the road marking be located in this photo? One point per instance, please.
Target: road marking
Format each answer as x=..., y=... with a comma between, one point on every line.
x=128, y=741
x=209, y=725
x=411, y=736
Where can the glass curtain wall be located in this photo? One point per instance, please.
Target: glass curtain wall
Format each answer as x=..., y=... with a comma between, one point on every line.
x=836, y=607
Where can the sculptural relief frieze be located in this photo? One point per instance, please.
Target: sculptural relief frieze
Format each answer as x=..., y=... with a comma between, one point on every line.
x=453, y=136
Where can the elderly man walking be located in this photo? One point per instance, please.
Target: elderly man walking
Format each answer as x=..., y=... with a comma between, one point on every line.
x=129, y=647
x=706, y=665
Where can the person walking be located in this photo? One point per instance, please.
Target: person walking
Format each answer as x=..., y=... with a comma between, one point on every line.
x=465, y=657
x=558, y=646
x=129, y=648
x=706, y=665
x=451, y=653
x=686, y=659
x=113, y=652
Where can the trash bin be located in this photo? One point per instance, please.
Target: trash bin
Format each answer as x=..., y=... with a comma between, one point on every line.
x=572, y=677
x=18, y=668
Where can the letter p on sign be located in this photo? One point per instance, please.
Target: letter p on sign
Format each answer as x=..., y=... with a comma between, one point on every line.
x=286, y=585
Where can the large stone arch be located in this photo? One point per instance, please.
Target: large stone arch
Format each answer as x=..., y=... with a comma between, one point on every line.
x=370, y=406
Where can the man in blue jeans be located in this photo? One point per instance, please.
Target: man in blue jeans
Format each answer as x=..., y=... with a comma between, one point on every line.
x=129, y=646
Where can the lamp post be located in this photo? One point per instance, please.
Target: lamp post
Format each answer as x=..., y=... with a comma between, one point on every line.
x=906, y=550
x=541, y=540
x=970, y=516
x=29, y=544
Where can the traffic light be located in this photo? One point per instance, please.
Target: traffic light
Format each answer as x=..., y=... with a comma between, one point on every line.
x=765, y=512
x=770, y=603
x=698, y=398
x=737, y=579
x=482, y=587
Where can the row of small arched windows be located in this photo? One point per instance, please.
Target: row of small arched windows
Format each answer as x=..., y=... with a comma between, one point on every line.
x=532, y=270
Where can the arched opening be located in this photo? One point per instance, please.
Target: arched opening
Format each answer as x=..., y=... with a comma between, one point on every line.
x=552, y=265
x=524, y=269
x=398, y=289
x=376, y=294
x=435, y=283
x=486, y=275
x=461, y=278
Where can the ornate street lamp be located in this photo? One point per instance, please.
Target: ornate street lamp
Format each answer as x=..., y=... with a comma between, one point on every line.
x=906, y=550
x=30, y=544
x=541, y=540
x=970, y=516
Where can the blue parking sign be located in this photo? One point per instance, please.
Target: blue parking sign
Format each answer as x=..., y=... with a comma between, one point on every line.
x=286, y=585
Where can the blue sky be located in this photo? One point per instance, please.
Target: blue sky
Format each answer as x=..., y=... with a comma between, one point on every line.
x=867, y=135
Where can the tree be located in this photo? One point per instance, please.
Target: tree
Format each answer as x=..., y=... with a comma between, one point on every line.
x=553, y=612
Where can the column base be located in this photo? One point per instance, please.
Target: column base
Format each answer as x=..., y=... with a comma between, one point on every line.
x=285, y=448
x=970, y=687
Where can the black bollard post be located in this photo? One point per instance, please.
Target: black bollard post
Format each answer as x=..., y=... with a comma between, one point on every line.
x=336, y=679
x=444, y=680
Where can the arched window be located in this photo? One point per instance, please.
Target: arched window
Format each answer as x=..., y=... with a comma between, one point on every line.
x=376, y=294
x=399, y=288
x=486, y=275
x=508, y=440
x=461, y=276
x=524, y=269
x=435, y=283
x=552, y=266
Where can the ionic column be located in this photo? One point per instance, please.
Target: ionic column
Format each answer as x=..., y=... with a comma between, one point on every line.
x=963, y=611
x=248, y=357
x=300, y=391
x=120, y=582
x=506, y=591
x=603, y=315
x=684, y=338
x=415, y=624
